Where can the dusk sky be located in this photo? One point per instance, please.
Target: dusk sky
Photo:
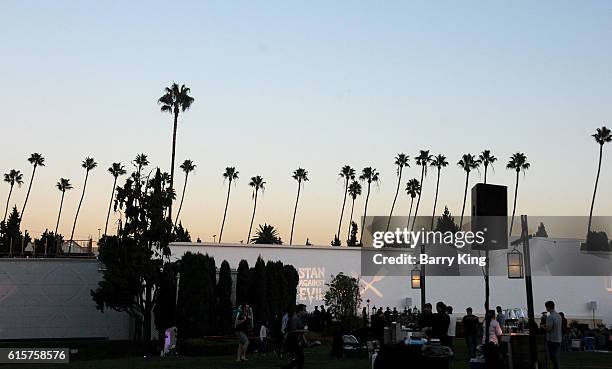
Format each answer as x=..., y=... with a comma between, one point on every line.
x=316, y=84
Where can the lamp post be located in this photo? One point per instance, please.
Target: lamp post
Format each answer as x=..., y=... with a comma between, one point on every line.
x=415, y=279
x=515, y=264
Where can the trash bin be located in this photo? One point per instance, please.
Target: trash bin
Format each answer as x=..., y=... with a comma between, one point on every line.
x=436, y=356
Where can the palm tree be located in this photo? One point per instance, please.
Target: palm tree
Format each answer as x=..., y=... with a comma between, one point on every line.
x=518, y=162
x=413, y=189
x=439, y=162
x=88, y=164
x=348, y=174
x=36, y=160
x=257, y=183
x=13, y=177
x=369, y=175
x=486, y=159
x=140, y=162
x=468, y=163
x=63, y=185
x=601, y=136
x=401, y=161
x=354, y=190
x=300, y=175
x=231, y=174
x=174, y=101
x=115, y=170
x=188, y=166
x=423, y=160
x=267, y=235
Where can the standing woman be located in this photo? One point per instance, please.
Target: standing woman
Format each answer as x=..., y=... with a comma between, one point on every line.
x=243, y=324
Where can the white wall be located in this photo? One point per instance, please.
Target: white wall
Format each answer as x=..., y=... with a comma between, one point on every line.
x=571, y=294
x=50, y=298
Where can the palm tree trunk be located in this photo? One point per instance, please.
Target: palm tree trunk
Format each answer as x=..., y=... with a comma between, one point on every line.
x=485, y=176
x=343, y=204
x=252, y=217
x=433, y=215
x=77, y=212
x=27, y=194
x=172, y=162
x=416, y=211
x=514, y=206
x=410, y=212
x=348, y=237
x=295, y=211
x=467, y=180
x=595, y=190
x=60, y=213
x=7, y=203
x=365, y=213
x=399, y=180
x=110, y=205
x=182, y=198
x=229, y=188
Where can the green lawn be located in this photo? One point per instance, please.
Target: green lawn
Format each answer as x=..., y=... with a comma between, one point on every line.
x=317, y=358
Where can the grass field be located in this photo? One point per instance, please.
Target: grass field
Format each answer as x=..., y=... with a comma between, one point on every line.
x=316, y=358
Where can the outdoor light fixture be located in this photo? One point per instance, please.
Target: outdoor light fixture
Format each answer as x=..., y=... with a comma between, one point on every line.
x=515, y=264
x=415, y=279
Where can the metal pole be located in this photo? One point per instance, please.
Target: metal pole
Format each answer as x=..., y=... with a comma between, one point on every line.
x=529, y=290
x=422, y=282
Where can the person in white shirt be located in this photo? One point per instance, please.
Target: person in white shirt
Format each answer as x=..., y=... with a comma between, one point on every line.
x=263, y=338
x=452, y=327
x=491, y=348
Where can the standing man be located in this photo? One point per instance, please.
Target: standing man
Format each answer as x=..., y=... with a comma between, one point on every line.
x=295, y=338
x=452, y=327
x=501, y=317
x=553, y=334
x=470, y=325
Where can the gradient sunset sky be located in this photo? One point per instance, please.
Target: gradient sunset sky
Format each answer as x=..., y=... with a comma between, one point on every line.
x=316, y=84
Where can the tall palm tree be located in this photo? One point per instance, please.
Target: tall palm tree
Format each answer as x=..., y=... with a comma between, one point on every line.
x=401, y=161
x=37, y=160
x=115, y=170
x=468, y=163
x=354, y=190
x=439, y=162
x=301, y=176
x=140, y=162
x=486, y=159
x=257, y=183
x=231, y=174
x=518, y=162
x=188, y=166
x=88, y=164
x=63, y=185
x=175, y=101
x=348, y=174
x=601, y=136
x=423, y=160
x=13, y=177
x=413, y=189
x=369, y=175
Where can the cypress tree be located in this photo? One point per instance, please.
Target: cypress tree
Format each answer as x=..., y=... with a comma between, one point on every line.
x=224, y=299
x=242, y=282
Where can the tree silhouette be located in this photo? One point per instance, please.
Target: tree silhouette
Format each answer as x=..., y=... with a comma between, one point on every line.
x=518, y=162
x=175, y=101
x=439, y=162
x=401, y=161
x=413, y=189
x=487, y=160
x=368, y=175
x=230, y=174
x=257, y=183
x=115, y=170
x=352, y=241
x=354, y=190
x=446, y=223
x=348, y=174
x=266, y=235
x=601, y=136
x=301, y=176
x=12, y=177
x=468, y=163
x=188, y=166
x=63, y=185
x=37, y=160
x=423, y=160
x=88, y=164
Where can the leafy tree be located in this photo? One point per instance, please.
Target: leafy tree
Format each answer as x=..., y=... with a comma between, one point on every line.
x=446, y=223
x=348, y=174
x=181, y=234
x=231, y=174
x=257, y=183
x=413, y=189
x=468, y=163
x=115, y=170
x=175, y=100
x=352, y=241
x=354, y=191
x=518, y=163
x=188, y=166
x=37, y=160
x=273, y=290
x=11, y=239
x=487, y=160
x=195, y=297
x=13, y=177
x=541, y=232
x=48, y=244
x=368, y=175
x=266, y=235
x=63, y=185
x=224, y=299
x=134, y=259
x=423, y=160
x=165, y=308
x=242, y=282
x=342, y=296
x=301, y=176
x=293, y=279
x=88, y=164
x=401, y=161
x=260, y=289
x=602, y=136
x=336, y=241
x=439, y=162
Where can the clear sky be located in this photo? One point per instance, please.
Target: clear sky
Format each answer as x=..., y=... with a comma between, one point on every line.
x=316, y=84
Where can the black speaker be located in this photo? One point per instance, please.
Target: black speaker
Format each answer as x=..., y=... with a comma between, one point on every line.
x=490, y=215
